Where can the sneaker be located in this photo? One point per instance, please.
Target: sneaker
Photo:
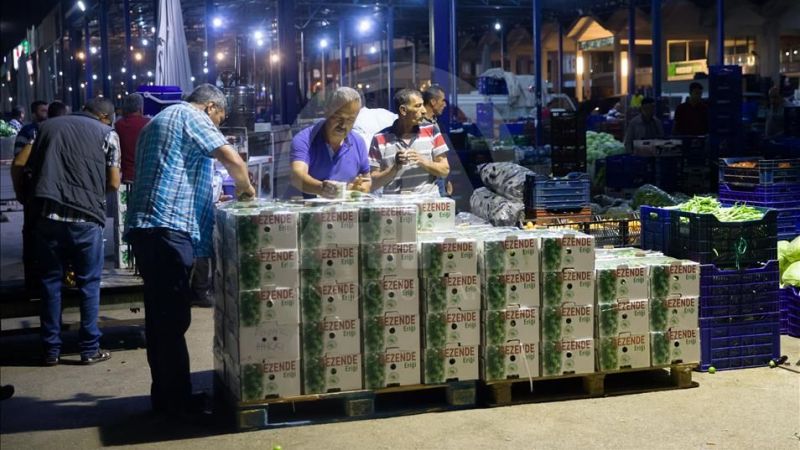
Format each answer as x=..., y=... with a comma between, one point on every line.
x=50, y=360
x=99, y=356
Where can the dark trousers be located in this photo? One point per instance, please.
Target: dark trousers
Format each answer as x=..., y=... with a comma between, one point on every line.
x=29, y=258
x=164, y=258
x=82, y=244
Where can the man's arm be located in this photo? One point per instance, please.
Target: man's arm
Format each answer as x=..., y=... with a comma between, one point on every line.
x=438, y=167
x=17, y=169
x=237, y=169
x=381, y=178
x=112, y=179
x=303, y=181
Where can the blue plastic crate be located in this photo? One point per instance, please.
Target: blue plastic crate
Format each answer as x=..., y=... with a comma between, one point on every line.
x=655, y=228
x=707, y=240
x=790, y=308
x=788, y=224
x=569, y=192
x=667, y=170
x=628, y=171
x=763, y=172
x=739, y=293
x=740, y=346
x=782, y=196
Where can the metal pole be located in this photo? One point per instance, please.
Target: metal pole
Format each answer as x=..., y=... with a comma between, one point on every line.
x=104, y=57
x=390, y=56
x=288, y=61
x=656, y=18
x=342, y=54
x=211, y=76
x=720, y=32
x=502, y=50
x=537, y=67
x=126, y=59
x=324, y=77
x=303, y=70
x=88, y=58
x=453, y=63
x=414, y=62
x=440, y=21
x=631, y=48
x=560, y=57
x=74, y=67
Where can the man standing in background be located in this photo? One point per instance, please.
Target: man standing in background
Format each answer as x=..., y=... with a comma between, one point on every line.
x=128, y=129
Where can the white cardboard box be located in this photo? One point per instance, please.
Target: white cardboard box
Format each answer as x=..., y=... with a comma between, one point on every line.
x=329, y=225
x=268, y=304
x=624, y=351
x=337, y=336
x=675, y=346
x=397, y=259
x=452, y=291
x=623, y=316
x=509, y=253
x=388, y=222
x=520, y=324
x=394, y=367
x=391, y=330
x=269, y=341
x=451, y=363
x=674, y=312
x=511, y=289
x=332, y=373
x=670, y=276
x=568, y=286
x=566, y=250
x=267, y=379
x=442, y=256
x=511, y=360
x=329, y=299
x=272, y=227
x=263, y=268
x=567, y=321
x=390, y=294
x=334, y=263
x=452, y=327
x=626, y=280
x=436, y=214
x=568, y=356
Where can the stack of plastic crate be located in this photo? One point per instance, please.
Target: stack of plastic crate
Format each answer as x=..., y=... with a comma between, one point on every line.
x=568, y=143
x=725, y=110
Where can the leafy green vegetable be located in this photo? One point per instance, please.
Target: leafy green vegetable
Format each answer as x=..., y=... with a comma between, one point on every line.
x=788, y=255
x=709, y=205
x=792, y=275
x=651, y=196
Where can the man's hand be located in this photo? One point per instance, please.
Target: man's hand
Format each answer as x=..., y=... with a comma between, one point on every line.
x=360, y=183
x=401, y=158
x=331, y=189
x=245, y=194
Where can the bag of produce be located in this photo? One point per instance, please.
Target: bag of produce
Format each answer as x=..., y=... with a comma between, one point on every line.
x=650, y=195
x=498, y=210
x=506, y=179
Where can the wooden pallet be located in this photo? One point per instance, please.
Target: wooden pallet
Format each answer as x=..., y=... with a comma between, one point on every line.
x=604, y=384
x=346, y=406
x=547, y=216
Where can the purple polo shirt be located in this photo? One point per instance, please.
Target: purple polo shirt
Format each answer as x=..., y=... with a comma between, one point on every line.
x=310, y=147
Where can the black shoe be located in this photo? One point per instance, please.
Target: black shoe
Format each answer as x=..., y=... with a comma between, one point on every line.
x=6, y=392
x=99, y=356
x=50, y=360
x=204, y=300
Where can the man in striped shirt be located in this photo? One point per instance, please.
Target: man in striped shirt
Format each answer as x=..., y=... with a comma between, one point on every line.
x=409, y=155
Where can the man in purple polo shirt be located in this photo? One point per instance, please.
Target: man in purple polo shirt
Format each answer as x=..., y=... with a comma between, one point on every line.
x=328, y=156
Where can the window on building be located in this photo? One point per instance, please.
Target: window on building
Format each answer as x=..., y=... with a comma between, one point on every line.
x=677, y=51
x=644, y=60
x=697, y=50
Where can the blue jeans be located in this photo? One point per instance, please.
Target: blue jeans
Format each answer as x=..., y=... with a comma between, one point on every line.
x=81, y=244
x=165, y=258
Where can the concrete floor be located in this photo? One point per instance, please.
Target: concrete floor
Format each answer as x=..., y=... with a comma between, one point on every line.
x=72, y=406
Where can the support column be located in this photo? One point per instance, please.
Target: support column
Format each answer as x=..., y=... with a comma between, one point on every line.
x=288, y=62
x=631, y=48
x=104, y=51
x=390, y=56
x=560, y=71
x=658, y=59
x=88, y=59
x=74, y=68
x=620, y=84
x=453, y=100
x=720, y=32
x=126, y=59
x=440, y=21
x=342, y=54
x=211, y=41
x=537, y=67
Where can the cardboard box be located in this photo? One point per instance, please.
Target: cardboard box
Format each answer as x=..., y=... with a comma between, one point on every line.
x=674, y=312
x=624, y=351
x=566, y=250
x=248, y=230
x=270, y=341
x=436, y=214
x=623, y=316
x=331, y=336
x=263, y=268
x=568, y=356
x=451, y=363
x=267, y=379
x=329, y=225
x=621, y=280
x=334, y=263
x=452, y=327
x=568, y=286
x=509, y=361
x=332, y=373
x=509, y=253
x=400, y=295
x=512, y=324
x=568, y=320
x=440, y=256
x=451, y=291
x=391, y=330
x=394, y=367
x=511, y=289
x=673, y=277
x=389, y=259
x=675, y=346
x=332, y=299
x=387, y=222
x=269, y=304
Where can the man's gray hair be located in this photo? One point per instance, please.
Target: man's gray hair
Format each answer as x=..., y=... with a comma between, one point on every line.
x=100, y=106
x=403, y=97
x=206, y=93
x=132, y=103
x=341, y=97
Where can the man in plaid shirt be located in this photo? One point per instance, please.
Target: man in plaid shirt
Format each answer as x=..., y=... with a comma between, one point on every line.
x=74, y=162
x=409, y=155
x=170, y=223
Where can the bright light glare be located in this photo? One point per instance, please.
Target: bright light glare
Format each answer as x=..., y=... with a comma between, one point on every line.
x=149, y=73
x=123, y=70
x=205, y=69
x=137, y=56
x=81, y=5
x=260, y=42
x=323, y=43
x=94, y=76
x=81, y=55
x=274, y=57
x=192, y=78
x=144, y=42
x=217, y=22
x=220, y=56
x=258, y=35
x=364, y=25
x=93, y=50
x=497, y=26
x=373, y=50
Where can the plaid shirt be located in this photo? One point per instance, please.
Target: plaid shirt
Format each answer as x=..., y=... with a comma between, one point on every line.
x=56, y=211
x=174, y=171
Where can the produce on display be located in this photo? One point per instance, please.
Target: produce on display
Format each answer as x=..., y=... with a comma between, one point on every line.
x=650, y=195
x=506, y=179
x=600, y=145
x=789, y=262
x=710, y=205
x=498, y=210
x=6, y=130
